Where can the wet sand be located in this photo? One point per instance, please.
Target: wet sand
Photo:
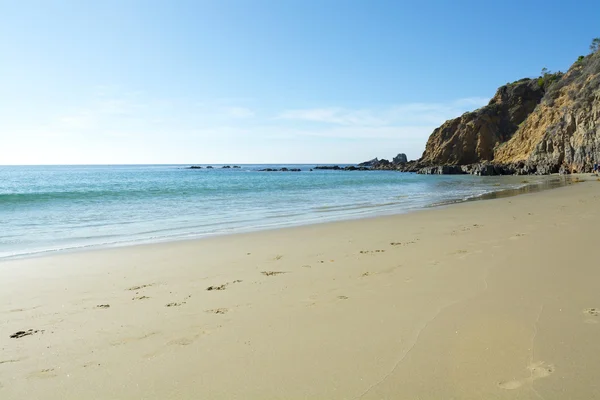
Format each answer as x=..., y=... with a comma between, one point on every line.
x=496, y=299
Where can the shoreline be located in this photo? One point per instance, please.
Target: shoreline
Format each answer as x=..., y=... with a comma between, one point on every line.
x=482, y=299
x=548, y=183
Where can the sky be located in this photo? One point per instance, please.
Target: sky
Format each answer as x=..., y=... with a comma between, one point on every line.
x=262, y=81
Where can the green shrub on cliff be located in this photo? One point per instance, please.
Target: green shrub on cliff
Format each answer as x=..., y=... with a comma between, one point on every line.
x=548, y=78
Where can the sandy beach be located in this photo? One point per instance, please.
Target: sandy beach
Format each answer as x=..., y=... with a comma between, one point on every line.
x=495, y=299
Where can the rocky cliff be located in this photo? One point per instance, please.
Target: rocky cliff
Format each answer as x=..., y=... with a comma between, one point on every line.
x=473, y=137
x=563, y=132
x=542, y=126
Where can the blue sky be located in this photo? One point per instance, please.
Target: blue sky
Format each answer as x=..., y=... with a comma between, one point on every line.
x=265, y=80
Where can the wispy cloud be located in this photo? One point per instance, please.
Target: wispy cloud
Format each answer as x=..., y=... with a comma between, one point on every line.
x=150, y=128
x=335, y=115
x=402, y=114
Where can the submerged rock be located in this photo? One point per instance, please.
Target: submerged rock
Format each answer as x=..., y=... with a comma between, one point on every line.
x=280, y=170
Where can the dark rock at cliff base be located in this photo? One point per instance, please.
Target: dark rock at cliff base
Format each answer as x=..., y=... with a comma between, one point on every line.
x=485, y=169
x=441, y=170
x=564, y=170
x=400, y=159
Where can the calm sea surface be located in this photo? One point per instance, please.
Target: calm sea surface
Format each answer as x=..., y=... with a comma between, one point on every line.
x=52, y=208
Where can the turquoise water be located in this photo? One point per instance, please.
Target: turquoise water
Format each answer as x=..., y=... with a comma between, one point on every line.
x=52, y=208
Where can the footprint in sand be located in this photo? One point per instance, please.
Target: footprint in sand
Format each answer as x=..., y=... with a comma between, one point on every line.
x=223, y=286
x=273, y=273
x=403, y=243
x=186, y=340
x=133, y=288
x=217, y=311
x=536, y=371
x=175, y=304
x=371, y=251
x=91, y=364
x=140, y=298
x=517, y=236
x=43, y=374
x=132, y=339
x=220, y=287
x=594, y=313
x=343, y=297
x=20, y=334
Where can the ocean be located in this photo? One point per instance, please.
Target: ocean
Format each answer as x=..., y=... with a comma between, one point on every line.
x=45, y=209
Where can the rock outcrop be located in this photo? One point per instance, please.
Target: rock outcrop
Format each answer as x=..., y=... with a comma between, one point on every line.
x=400, y=159
x=473, y=137
x=532, y=126
x=369, y=163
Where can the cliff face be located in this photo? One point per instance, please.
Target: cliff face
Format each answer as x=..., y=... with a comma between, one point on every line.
x=530, y=126
x=564, y=130
x=472, y=137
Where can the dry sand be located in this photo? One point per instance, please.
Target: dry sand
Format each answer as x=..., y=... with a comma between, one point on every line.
x=496, y=299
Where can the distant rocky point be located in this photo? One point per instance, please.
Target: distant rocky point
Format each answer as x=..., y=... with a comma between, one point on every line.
x=280, y=170
x=210, y=167
x=369, y=163
x=397, y=163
